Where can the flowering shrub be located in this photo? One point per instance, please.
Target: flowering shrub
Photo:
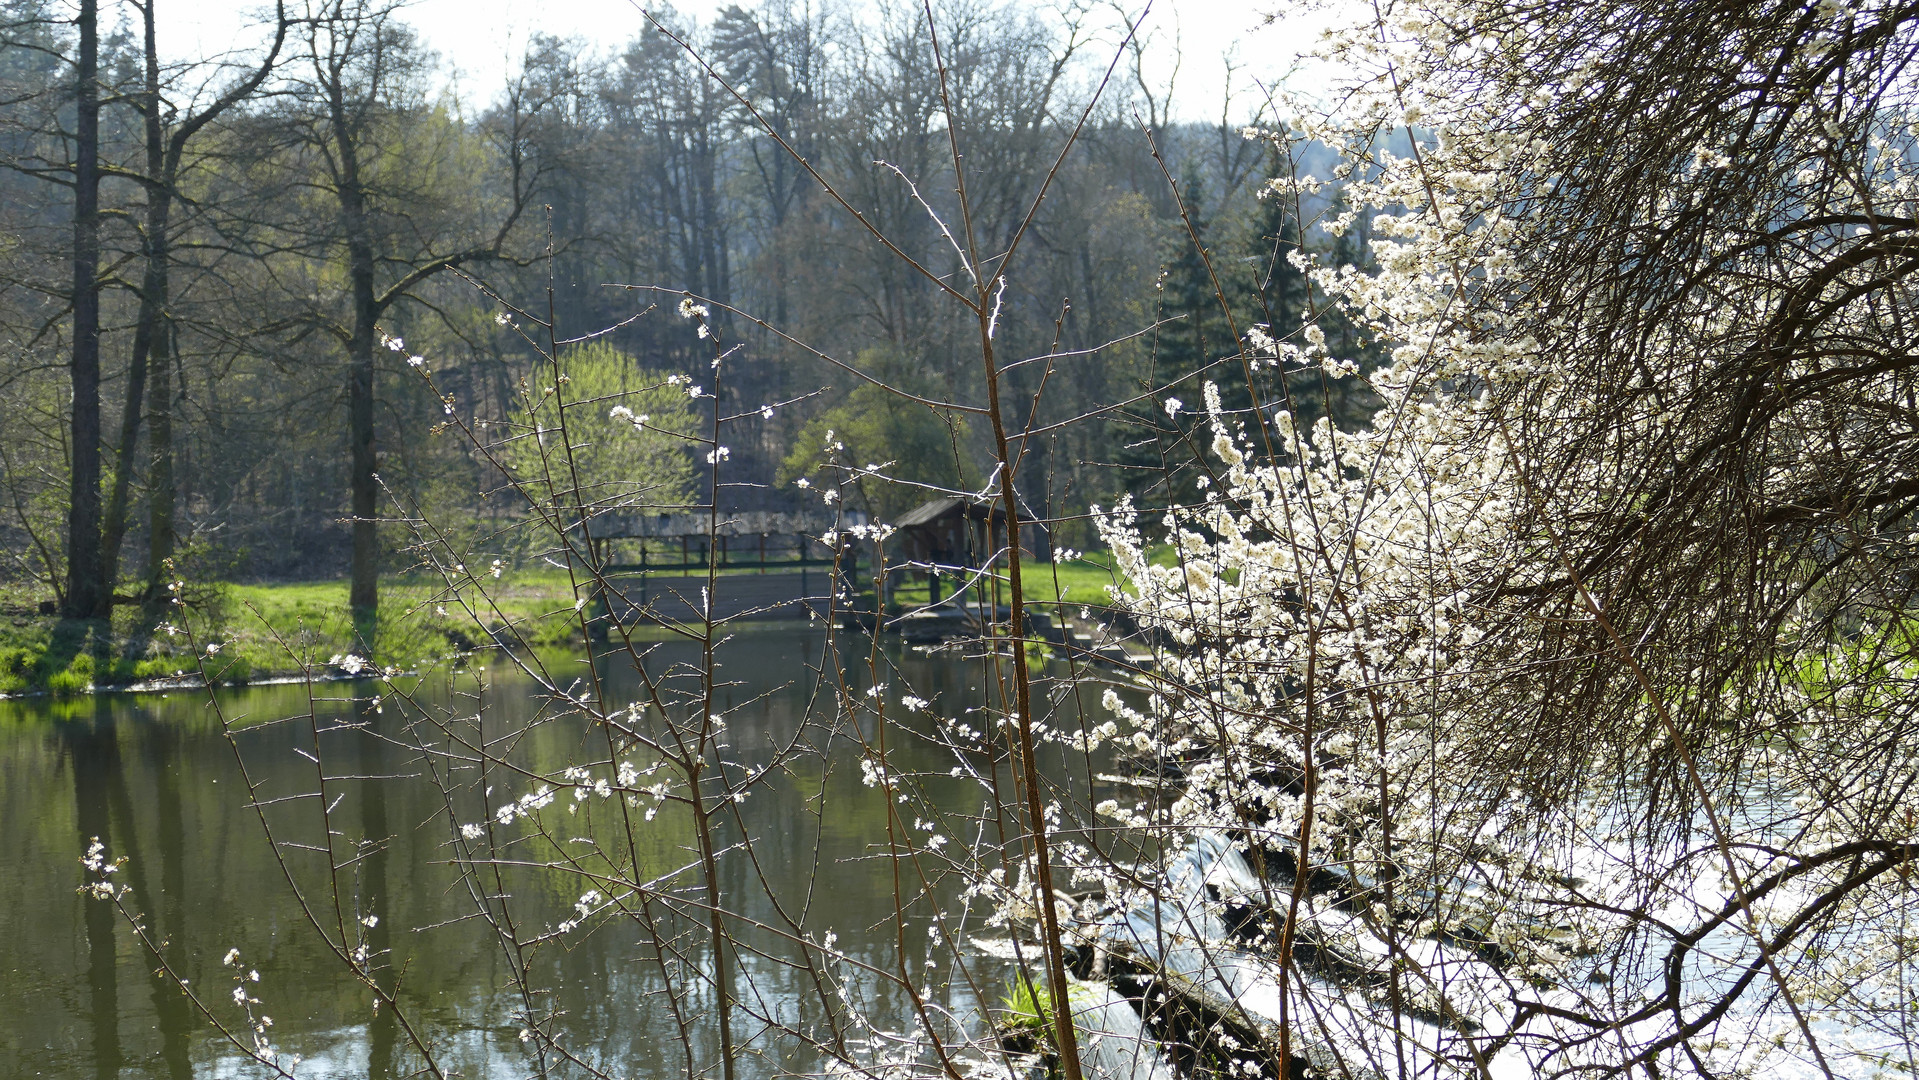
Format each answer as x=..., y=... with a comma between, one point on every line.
x=1581, y=680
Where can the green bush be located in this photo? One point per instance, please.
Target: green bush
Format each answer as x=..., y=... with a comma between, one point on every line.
x=16, y=670
x=71, y=681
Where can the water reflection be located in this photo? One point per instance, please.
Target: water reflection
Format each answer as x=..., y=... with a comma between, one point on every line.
x=93, y=757
x=375, y=912
x=155, y=778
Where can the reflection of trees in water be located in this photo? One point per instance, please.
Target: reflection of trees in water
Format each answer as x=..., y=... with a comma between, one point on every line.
x=104, y=808
x=375, y=850
x=94, y=756
x=155, y=779
x=167, y=910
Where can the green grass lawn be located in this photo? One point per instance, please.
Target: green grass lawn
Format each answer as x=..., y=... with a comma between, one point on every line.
x=269, y=629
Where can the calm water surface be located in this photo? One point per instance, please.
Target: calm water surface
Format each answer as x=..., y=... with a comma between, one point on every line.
x=154, y=777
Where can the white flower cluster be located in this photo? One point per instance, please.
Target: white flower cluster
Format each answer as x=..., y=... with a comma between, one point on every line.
x=525, y=806
x=621, y=412
x=257, y=1023
x=397, y=345
x=589, y=901
x=95, y=861
x=586, y=785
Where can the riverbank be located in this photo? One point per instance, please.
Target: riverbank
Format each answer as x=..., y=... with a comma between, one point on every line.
x=287, y=629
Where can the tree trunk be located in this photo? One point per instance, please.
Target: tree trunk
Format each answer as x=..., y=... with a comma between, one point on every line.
x=364, y=592
x=160, y=493
x=87, y=596
x=364, y=588
x=711, y=225
x=153, y=301
x=113, y=530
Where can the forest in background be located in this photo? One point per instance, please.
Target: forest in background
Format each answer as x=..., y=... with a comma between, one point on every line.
x=1554, y=723
x=265, y=225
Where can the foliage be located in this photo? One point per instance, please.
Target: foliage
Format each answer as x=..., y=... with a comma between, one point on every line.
x=1194, y=343
x=1026, y=1008
x=893, y=453
x=628, y=432
x=1557, y=722
x=651, y=174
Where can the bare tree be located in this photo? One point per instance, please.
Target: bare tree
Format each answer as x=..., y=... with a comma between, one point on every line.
x=167, y=135
x=355, y=105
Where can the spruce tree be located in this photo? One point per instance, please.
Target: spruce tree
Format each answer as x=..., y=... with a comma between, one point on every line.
x=1192, y=345
x=1279, y=299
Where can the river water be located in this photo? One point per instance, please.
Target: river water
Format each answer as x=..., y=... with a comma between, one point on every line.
x=155, y=778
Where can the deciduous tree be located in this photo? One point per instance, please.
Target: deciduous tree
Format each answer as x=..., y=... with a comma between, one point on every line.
x=404, y=207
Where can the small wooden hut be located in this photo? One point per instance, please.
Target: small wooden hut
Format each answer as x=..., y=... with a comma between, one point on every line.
x=958, y=533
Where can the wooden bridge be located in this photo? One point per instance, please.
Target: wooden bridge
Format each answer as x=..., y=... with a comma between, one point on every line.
x=769, y=566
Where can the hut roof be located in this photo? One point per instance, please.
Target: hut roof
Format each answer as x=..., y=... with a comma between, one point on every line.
x=930, y=511
x=974, y=507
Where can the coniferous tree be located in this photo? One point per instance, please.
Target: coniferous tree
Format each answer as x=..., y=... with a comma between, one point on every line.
x=1194, y=344
x=1280, y=301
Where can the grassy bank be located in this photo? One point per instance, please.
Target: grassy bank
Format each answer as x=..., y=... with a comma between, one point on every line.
x=278, y=629
x=272, y=629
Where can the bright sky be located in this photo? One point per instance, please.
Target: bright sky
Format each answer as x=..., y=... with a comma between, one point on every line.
x=480, y=39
